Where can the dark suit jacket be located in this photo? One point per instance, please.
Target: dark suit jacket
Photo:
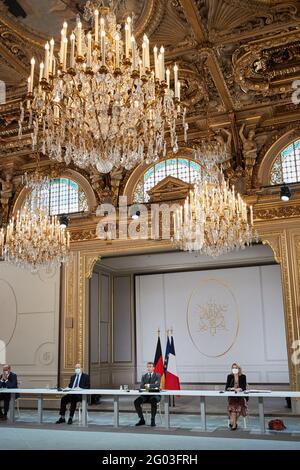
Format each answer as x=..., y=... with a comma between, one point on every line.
x=242, y=382
x=84, y=381
x=12, y=381
x=154, y=382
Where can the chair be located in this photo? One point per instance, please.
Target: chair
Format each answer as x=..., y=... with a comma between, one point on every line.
x=79, y=409
x=148, y=412
x=17, y=402
x=17, y=406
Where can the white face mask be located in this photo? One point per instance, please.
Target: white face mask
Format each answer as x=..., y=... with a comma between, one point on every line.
x=77, y=371
x=235, y=371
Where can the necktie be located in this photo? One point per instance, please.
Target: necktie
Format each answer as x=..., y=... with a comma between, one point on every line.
x=76, y=382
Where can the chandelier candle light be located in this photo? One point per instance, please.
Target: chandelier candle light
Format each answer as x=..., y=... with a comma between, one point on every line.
x=33, y=239
x=101, y=102
x=214, y=220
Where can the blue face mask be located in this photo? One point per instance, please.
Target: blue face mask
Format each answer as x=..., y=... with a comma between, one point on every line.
x=77, y=371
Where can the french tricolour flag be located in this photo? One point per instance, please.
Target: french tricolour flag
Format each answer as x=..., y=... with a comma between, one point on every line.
x=171, y=377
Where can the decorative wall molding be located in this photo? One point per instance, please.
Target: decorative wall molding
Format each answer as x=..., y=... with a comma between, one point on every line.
x=281, y=212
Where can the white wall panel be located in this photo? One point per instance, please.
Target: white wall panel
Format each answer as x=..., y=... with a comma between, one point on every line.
x=122, y=320
x=29, y=318
x=218, y=317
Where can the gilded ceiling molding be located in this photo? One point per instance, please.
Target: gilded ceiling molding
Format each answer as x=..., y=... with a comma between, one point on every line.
x=258, y=6
x=150, y=18
x=230, y=20
x=24, y=33
x=268, y=65
x=192, y=14
x=217, y=76
x=193, y=88
x=12, y=39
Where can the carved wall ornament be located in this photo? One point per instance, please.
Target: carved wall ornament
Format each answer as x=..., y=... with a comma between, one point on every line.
x=6, y=194
x=280, y=212
x=83, y=235
x=170, y=188
x=268, y=66
x=249, y=149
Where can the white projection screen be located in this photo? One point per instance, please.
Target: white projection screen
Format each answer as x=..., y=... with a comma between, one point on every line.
x=218, y=317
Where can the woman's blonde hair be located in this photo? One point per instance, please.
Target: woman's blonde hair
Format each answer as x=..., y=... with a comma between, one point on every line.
x=238, y=366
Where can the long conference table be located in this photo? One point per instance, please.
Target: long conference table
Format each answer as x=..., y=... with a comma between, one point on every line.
x=116, y=395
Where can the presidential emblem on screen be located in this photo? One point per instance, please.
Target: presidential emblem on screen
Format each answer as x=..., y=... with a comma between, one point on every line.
x=213, y=317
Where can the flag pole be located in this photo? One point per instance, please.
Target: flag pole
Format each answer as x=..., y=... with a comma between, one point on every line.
x=159, y=361
x=173, y=395
x=170, y=403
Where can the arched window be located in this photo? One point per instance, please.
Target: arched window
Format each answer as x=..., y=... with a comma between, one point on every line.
x=63, y=196
x=286, y=168
x=181, y=168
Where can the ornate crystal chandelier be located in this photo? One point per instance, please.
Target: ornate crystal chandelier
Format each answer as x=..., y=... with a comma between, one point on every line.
x=210, y=151
x=33, y=239
x=100, y=102
x=214, y=220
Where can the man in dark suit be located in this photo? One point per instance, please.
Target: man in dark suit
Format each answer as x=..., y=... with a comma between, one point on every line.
x=78, y=380
x=7, y=380
x=151, y=380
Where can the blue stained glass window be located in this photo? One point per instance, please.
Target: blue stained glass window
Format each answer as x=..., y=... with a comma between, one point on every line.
x=63, y=196
x=286, y=168
x=181, y=168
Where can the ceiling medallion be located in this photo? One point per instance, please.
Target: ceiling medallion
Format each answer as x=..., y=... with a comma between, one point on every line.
x=101, y=101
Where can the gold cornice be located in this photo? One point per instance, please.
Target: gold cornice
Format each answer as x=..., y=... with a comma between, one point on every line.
x=22, y=32
x=280, y=212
